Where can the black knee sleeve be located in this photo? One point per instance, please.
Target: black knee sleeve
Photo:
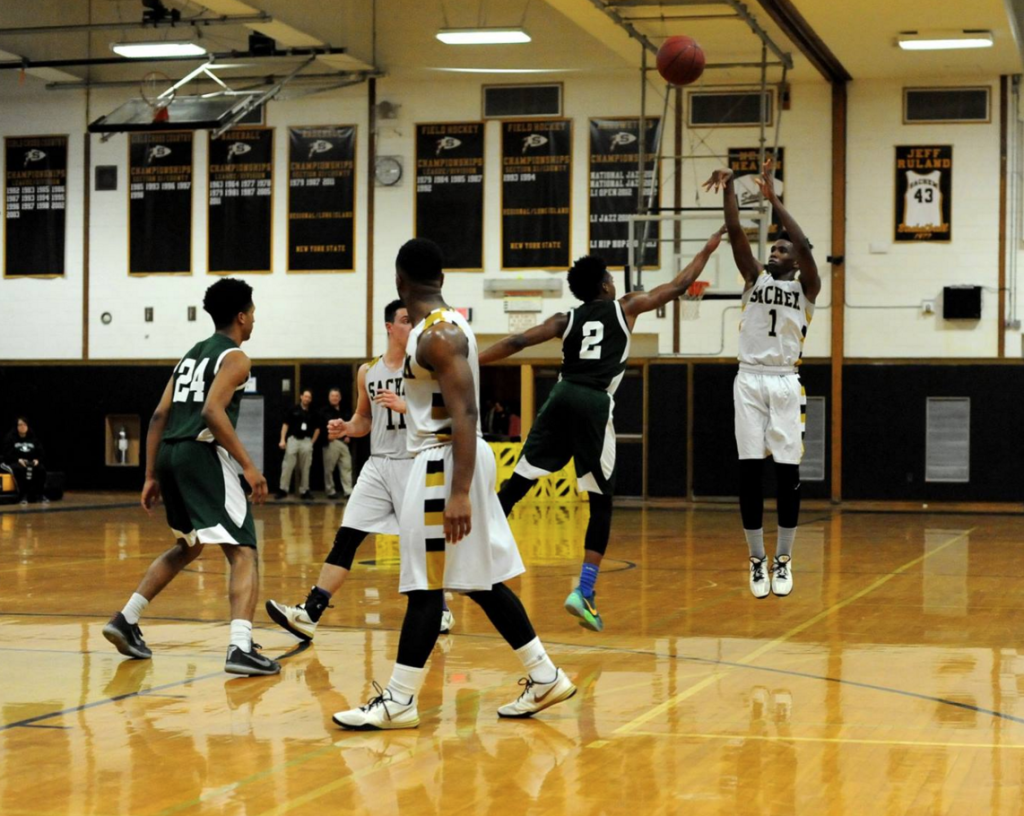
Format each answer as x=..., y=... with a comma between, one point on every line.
x=788, y=502
x=513, y=490
x=599, y=527
x=421, y=627
x=506, y=613
x=752, y=493
x=346, y=542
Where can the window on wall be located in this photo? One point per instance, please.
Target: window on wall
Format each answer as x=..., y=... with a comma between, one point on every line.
x=929, y=105
x=729, y=108
x=812, y=466
x=511, y=101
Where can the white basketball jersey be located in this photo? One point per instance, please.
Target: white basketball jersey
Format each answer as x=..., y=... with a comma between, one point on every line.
x=387, y=432
x=428, y=419
x=922, y=204
x=774, y=322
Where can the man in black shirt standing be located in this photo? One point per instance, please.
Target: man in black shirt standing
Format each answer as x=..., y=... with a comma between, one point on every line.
x=336, y=452
x=299, y=433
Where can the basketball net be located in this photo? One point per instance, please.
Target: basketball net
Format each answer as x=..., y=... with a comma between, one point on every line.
x=690, y=302
x=157, y=89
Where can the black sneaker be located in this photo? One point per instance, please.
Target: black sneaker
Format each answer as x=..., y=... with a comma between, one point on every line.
x=249, y=663
x=307, y=496
x=127, y=637
x=280, y=494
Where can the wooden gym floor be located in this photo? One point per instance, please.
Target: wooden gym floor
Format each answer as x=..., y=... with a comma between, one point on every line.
x=889, y=683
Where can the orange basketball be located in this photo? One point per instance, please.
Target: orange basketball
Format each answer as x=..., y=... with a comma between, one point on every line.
x=680, y=60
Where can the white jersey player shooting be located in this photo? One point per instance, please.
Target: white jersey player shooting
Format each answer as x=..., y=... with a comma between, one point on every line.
x=778, y=303
x=377, y=497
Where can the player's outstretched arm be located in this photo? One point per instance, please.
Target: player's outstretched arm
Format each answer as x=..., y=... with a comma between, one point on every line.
x=234, y=371
x=809, y=277
x=157, y=423
x=444, y=349
x=361, y=421
x=748, y=265
x=636, y=303
x=551, y=328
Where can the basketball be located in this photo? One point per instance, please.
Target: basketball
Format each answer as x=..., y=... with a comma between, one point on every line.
x=680, y=60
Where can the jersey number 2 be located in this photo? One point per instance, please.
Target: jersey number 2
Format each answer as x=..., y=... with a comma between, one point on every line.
x=190, y=381
x=593, y=335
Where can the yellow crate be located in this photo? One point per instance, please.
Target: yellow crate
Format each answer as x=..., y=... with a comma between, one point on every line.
x=558, y=487
x=6, y=483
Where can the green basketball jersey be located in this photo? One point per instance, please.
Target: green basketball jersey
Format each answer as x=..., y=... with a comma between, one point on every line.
x=595, y=345
x=193, y=376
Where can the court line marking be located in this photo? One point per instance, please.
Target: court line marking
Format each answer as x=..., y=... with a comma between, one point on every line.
x=673, y=701
x=835, y=740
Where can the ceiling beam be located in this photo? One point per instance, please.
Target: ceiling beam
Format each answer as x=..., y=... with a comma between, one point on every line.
x=292, y=53
x=799, y=31
x=185, y=25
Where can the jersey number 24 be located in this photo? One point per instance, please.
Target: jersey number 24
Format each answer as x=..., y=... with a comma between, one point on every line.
x=190, y=380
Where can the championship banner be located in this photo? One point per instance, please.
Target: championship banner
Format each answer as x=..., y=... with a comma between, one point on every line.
x=743, y=161
x=321, y=199
x=614, y=188
x=160, y=203
x=35, y=192
x=450, y=192
x=241, y=201
x=924, y=193
x=536, y=194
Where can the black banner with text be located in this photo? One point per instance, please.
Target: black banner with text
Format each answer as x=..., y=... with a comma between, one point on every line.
x=35, y=193
x=924, y=193
x=614, y=187
x=536, y=194
x=160, y=203
x=241, y=201
x=450, y=191
x=321, y=199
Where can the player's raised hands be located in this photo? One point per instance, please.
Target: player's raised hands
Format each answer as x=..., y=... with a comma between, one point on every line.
x=766, y=181
x=718, y=180
x=390, y=400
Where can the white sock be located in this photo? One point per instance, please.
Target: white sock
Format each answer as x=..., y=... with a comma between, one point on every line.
x=785, y=543
x=241, y=634
x=537, y=663
x=755, y=542
x=133, y=609
x=406, y=682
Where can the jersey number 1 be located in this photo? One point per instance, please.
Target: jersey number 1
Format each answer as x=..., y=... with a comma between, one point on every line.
x=593, y=335
x=189, y=382
x=775, y=316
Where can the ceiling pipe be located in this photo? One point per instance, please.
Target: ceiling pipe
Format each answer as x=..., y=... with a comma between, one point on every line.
x=196, y=22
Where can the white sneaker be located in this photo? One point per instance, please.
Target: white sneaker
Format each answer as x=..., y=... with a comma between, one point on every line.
x=380, y=714
x=759, y=585
x=538, y=696
x=293, y=618
x=782, y=575
x=447, y=621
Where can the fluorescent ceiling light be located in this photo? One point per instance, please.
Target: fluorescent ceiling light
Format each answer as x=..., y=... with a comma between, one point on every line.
x=508, y=70
x=156, y=49
x=482, y=36
x=943, y=40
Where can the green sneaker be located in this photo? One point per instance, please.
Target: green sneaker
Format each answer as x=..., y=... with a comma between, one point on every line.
x=576, y=604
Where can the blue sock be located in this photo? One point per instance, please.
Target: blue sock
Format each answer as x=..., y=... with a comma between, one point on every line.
x=588, y=577
x=444, y=604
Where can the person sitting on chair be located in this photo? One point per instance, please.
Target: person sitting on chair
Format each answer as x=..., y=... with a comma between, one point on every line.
x=23, y=453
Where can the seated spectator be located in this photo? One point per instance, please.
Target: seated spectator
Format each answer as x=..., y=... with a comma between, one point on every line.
x=23, y=453
x=495, y=421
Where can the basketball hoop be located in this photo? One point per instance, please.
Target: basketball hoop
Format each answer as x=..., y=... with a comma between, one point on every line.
x=691, y=300
x=157, y=90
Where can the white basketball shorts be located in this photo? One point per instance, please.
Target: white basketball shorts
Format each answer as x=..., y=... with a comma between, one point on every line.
x=487, y=556
x=770, y=416
x=377, y=498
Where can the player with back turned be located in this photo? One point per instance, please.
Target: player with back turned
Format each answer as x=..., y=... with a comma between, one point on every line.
x=189, y=450
x=769, y=402
x=576, y=421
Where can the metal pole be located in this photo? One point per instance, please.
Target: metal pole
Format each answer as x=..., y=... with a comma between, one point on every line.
x=762, y=227
x=195, y=22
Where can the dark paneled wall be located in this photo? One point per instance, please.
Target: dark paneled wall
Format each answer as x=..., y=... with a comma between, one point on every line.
x=884, y=431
